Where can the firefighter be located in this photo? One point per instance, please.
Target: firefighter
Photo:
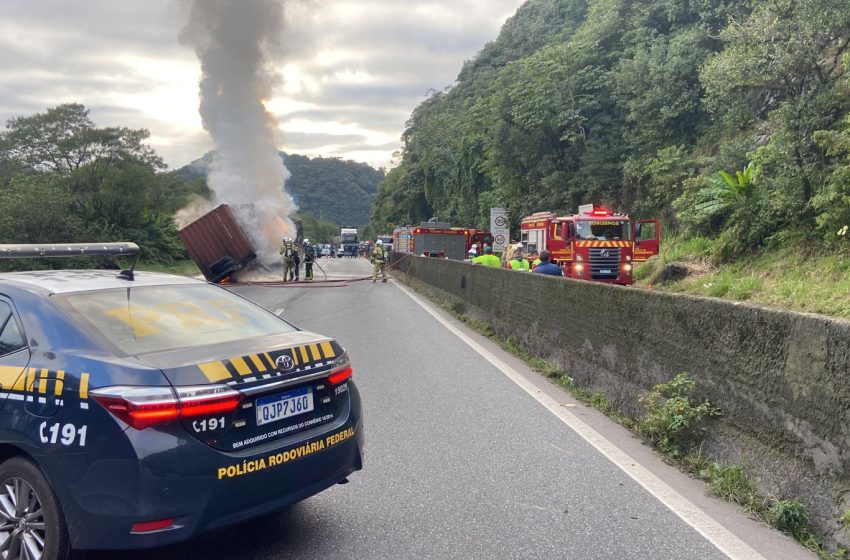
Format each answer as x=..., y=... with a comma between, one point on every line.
x=488, y=258
x=379, y=259
x=297, y=257
x=518, y=262
x=289, y=254
x=309, y=259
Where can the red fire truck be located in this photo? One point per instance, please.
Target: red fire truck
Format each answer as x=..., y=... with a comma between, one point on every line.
x=439, y=239
x=594, y=244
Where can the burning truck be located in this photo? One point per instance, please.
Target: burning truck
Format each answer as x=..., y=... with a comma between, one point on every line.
x=220, y=246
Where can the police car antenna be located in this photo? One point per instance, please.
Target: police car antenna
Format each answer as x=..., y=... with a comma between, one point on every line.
x=36, y=251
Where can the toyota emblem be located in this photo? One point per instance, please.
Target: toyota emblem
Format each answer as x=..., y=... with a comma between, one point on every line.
x=605, y=253
x=284, y=362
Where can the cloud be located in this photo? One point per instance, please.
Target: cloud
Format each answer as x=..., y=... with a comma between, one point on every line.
x=351, y=71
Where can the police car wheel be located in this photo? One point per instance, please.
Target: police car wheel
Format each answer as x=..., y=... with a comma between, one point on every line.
x=31, y=523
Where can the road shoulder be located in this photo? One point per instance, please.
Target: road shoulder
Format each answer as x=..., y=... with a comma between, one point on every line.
x=723, y=523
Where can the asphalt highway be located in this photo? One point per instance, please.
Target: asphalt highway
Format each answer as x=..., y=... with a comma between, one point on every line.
x=461, y=462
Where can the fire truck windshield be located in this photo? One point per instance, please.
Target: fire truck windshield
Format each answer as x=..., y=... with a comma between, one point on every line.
x=603, y=230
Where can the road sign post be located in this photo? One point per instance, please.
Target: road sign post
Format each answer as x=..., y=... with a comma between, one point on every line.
x=500, y=228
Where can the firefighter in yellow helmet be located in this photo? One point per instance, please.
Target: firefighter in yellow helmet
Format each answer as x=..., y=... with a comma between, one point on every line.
x=379, y=259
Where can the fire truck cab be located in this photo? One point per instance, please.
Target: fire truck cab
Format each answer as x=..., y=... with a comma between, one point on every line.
x=594, y=244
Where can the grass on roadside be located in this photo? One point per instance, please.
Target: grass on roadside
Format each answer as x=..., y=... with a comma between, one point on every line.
x=789, y=278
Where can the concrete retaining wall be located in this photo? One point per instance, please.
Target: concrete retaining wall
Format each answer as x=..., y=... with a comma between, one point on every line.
x=781, y=378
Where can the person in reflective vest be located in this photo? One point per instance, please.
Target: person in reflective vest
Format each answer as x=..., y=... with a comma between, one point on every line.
x=488, y=258
x=379, y=259
x=309, y=258
x=534, y=257
x=518, y=262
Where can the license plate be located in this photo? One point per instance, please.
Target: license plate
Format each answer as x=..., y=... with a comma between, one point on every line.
x=286, y=405
x=604, y=272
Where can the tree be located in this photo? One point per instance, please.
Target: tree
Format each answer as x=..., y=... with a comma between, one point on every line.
x=86, y=183
x=64, y=139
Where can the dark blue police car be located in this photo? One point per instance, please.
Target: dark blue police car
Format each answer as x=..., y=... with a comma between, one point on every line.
x=139, y=409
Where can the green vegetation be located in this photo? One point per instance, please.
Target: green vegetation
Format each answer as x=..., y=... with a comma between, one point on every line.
x=328, y=190
x=845, y=520
x=790, y=516
x=672, y=422
x=64, y=179
x=732, y=483
x=728, y=119
x=318, y=231
x=798, y=277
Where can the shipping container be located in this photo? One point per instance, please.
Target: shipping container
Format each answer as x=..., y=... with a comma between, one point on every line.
x=217, y=244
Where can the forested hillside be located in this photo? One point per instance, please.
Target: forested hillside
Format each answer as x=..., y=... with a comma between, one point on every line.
x=63, y=179
x=328, y=189
x=641, y=105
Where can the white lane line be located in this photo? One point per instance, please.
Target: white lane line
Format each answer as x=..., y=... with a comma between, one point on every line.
x=727, y=542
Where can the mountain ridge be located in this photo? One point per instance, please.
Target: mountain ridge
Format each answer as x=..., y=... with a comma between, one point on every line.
x=329, y=189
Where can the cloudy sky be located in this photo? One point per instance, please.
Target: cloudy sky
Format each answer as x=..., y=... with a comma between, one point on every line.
x=352, y=70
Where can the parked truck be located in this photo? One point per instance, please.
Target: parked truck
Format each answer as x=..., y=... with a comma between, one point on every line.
x=440, y=239
x=402, y=237
x=349, y=241
x=594, y=244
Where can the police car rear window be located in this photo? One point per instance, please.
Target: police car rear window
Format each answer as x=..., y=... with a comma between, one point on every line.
x=143, y=319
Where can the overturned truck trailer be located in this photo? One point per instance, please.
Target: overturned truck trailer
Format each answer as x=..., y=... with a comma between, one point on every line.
x=218, y=244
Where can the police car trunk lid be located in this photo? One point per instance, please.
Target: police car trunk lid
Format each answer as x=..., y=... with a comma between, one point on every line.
x=283, y=383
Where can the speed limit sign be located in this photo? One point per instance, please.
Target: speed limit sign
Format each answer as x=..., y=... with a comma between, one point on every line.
x=500, y=228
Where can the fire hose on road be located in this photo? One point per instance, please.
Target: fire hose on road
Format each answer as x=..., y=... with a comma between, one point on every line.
x=326, y=283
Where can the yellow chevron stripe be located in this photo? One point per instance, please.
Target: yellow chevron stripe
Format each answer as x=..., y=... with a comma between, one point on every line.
x=60, y=383
x=30, y=379
x=304, y=357
x=20, y=382
x=314, y=350
x=294, y=353
x=84, y=386
x=327, y=350
x=42, y=387
x=9, y=375
x=269, y=358
x=241, y=367
x=215, y=371
x=258, y=363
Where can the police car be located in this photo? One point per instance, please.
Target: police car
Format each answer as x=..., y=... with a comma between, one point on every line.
x=140, y=409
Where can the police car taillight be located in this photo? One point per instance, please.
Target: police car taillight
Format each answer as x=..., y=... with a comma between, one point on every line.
x=338, y=377
x=143, y=407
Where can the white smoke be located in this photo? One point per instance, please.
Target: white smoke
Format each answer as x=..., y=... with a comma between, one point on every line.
x=236, y=43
